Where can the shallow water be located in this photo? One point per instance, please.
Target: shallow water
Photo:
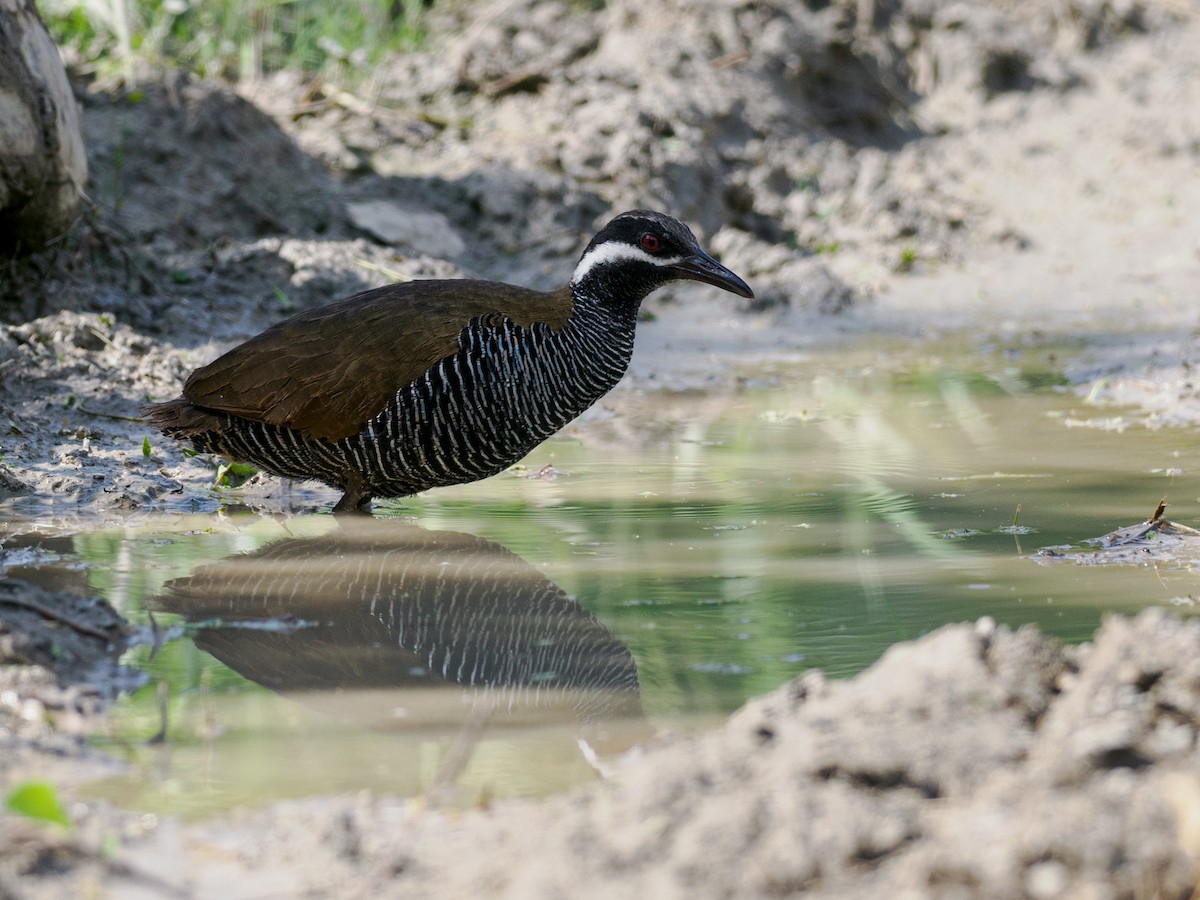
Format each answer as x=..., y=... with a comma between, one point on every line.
x=687, y=554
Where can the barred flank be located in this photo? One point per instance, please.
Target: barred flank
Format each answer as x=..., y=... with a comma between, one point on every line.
x=475, y=413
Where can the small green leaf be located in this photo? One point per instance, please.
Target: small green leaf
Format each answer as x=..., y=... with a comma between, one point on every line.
x=232, y=474
x=285, y=302
x=38, y=800
x=179, y=276
x=146, y=447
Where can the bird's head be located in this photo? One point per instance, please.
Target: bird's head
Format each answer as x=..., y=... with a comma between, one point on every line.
x=641, y=250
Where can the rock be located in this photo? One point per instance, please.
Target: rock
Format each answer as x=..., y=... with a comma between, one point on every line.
x=43, y=163
x=208, y=165
x=418, y=231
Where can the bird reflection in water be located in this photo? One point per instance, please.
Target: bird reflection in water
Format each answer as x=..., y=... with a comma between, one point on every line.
x=387, y=624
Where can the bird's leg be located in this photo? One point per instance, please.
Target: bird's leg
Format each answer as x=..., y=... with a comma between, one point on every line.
x=356, y=500
x=353, y=504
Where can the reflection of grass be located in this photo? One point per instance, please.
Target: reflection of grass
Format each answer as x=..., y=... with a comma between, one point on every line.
x=190, y=678
x=873, y=451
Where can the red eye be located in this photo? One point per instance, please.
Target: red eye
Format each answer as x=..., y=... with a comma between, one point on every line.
x=651, y=242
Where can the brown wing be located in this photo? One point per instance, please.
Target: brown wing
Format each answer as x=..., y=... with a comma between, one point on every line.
x=327, y=371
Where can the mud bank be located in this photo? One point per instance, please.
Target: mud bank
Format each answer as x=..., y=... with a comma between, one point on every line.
x=974, y=762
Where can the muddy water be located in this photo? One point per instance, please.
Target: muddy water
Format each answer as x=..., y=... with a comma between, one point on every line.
x=690, y=553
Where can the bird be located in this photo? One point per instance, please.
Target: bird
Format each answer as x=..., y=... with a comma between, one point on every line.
x=430, y=383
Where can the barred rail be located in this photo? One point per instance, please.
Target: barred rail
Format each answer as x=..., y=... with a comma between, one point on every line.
x=475, y=413
x=432, y=383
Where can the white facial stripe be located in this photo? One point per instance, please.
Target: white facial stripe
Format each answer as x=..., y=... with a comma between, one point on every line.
x=611, y=251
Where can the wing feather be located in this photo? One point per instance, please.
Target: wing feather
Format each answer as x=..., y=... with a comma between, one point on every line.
x=327, y=371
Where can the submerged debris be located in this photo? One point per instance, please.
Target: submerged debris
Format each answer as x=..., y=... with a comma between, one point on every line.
x=1157, y=539
x=1157, y=524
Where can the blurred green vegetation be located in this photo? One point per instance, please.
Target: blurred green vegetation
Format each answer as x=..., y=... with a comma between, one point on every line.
x=231, y=39
x=38, y=800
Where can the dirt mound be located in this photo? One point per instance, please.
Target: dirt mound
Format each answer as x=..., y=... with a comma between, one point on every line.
x=975, y=762
x=781, y=132
x=178, y=169
x=797, y=126
x=193, y=162
x=77, y=637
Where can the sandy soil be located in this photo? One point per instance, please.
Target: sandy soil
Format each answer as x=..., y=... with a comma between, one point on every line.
x=1016, y=170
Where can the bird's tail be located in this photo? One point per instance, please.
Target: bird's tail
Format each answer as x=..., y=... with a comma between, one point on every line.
x=179, y=419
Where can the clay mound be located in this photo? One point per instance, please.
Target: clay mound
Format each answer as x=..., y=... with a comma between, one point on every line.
x=974, y=762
